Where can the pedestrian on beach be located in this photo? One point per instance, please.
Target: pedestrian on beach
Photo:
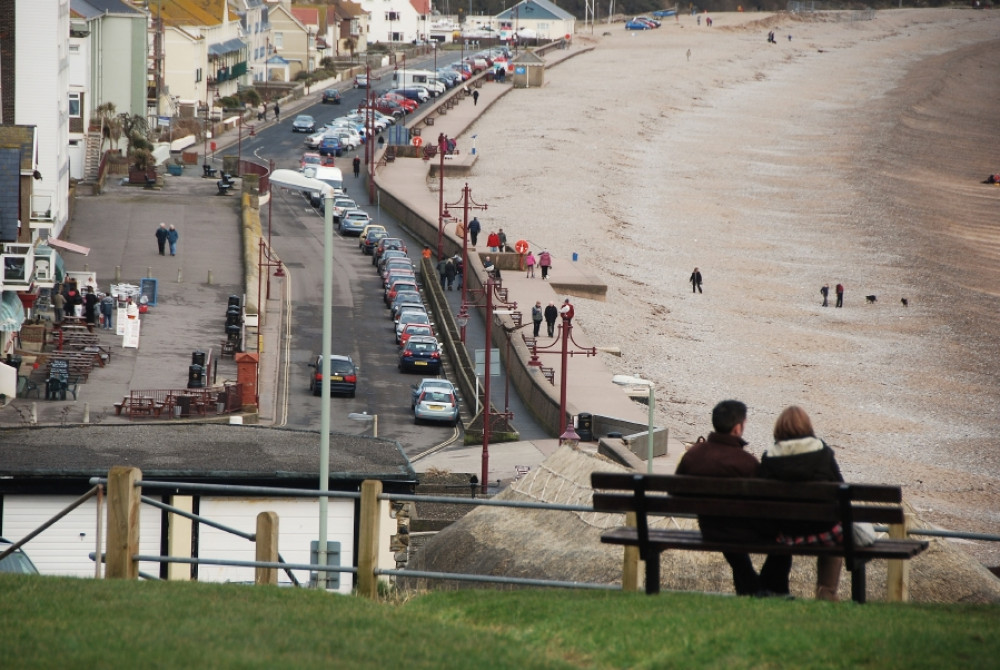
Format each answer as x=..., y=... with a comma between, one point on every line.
x=529, y=264
x=840, y=295
x=537, y=315
x=723, y=454
x=474, y=229
x=357, y=166
x=695, y=281
x=825, y=292
x=799, y=456
x=475, y=98
x=107, y=310
x=161, y=238
x=90, y=308
x=493, y=241
x=551, y=314
x=449, y=272
x=172, y=237
x=545, y=262
x=502, y=236
x=277, y=111
x=58, y=307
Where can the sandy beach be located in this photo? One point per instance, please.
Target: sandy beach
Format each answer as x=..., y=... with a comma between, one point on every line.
x=851, y=153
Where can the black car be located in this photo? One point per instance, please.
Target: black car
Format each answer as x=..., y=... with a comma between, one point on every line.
x=343, y=375
x=331, y=96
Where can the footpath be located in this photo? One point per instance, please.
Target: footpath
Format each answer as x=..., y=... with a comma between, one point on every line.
x=194, y=286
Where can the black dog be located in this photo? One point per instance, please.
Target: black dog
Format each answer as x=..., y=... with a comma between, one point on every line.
x=870, y=299
x=906, y=303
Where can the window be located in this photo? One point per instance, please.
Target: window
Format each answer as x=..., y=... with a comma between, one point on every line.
x=197, y=75
x=74, y=105
x=279, y=40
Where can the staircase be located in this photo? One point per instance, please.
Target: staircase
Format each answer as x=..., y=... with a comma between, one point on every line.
x=92, y=157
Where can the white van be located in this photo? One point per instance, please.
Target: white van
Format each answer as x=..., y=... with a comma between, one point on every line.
x=328, y=175
x=423, y=78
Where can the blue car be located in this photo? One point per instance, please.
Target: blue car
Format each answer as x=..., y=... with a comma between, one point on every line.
x=331, y=146
x=421, y=354
x=637, y=25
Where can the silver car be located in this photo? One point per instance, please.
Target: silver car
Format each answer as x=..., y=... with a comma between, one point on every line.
x=353, y=221
x=429, y=384
x=436, y=404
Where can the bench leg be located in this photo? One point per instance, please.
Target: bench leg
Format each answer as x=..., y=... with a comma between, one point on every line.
x=652, y=572
x=858, y=582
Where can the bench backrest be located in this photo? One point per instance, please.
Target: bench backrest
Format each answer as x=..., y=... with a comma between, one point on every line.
x=665, y=495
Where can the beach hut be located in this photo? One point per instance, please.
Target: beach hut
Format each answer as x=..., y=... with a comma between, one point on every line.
x=529, y=70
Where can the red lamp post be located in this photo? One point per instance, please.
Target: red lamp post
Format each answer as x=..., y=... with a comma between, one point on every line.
x=566, y=336
x=467, y=203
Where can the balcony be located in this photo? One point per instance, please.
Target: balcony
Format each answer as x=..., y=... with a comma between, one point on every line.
x=41, y=219
x=18, y=266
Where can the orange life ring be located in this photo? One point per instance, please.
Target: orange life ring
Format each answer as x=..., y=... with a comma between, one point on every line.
x=417, y=141
x=521, y=247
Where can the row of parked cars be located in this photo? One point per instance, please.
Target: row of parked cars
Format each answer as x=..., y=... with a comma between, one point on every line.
x=642, y=23
x=344, y=133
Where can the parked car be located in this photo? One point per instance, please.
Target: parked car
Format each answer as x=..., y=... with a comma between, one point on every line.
x=404, y=299
x=387, y=255
x=360, y=81
x=410, y=329
x=343, y=375
x=637, y=25
x=18, y=562
x=407, y=104
x=429, y=384
x=367, y=241
x=436, y=404
x=401, y=283
x=303, y=123
x=421, y=354
x=331, y=145
x=415, y=93
x=369, y=228
x=385, y=244
x=313, y=158
x=341, y=204
x=354, y=221
x=331, y=96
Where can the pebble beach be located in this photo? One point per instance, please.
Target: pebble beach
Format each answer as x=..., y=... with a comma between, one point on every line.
x=852, y=151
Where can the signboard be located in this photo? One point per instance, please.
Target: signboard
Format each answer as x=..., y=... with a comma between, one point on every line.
x=147, y=288
x=59, y=368
x=520, y=69
x=131, y=339
x=494, y=362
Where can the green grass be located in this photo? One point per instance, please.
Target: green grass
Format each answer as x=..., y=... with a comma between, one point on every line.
x=48, y=622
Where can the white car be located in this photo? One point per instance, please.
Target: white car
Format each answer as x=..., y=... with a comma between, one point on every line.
x=347, y=135
x=313, y=141
x=380, y=123
x=385, y=118
x=341, y=205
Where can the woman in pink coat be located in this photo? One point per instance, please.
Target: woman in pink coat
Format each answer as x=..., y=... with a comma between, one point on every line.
x=545, y=262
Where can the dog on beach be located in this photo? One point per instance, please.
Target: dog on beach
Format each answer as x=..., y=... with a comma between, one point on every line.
x=906, y=303
x=870, y=299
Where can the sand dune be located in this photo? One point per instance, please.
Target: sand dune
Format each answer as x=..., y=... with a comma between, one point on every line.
x=851, y=153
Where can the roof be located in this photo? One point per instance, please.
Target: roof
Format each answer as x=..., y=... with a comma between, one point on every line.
x=90, y=9
x=307, y=16
x=536, y=10
x=347, y=9
x=192, y=452
x=221, y=48
x=421, y=6
x=192, y=12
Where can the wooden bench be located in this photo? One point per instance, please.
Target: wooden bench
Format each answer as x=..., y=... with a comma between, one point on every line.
x=756, y=500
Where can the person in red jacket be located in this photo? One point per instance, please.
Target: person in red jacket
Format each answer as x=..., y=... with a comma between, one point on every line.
x=493, y=242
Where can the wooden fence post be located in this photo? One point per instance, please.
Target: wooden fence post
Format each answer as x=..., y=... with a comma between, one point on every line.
x=898, y=573
x=630, y=563
x=368, y=538
x=123, y=523
x=267, y=547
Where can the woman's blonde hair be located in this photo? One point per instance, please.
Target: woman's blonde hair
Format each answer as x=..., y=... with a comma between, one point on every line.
x=793, y=423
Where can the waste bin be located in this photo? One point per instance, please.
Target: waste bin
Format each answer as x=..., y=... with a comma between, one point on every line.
x=233, y=317
x=233, y=335
x=234, y=301
x=585, y=426
x=182, y=405
x=196, y=377
x=198, y=358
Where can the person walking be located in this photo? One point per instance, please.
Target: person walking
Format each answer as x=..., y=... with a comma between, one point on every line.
x=493, y=242
x=545, y=262
x=161, y=238
x=537, y=315
x=797, y=455
x=441, y=268
x=449, y=272
x=277, y=111
x=695, y=281
x=840, y=295
x=475, y=98
x=502, y=237
x=724, y=455
x=825, y=292
x=551, y=314
x=172, y=237
x=107, y=311
x=529, y=264
x=58, y=308
x=357, y=166
x=474, y=229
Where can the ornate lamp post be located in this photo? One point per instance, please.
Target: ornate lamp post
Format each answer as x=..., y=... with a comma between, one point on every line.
x=566, y=336
x=467, y=203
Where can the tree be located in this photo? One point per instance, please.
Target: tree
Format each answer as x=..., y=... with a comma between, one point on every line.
x=111, y=127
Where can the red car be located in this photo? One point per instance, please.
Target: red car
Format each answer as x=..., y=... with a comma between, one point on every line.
x=402, y=101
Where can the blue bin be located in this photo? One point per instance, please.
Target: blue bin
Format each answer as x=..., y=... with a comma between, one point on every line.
x=576, y=256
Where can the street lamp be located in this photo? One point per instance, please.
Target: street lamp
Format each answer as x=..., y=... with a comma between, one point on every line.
x=624, y=380
x=366, y=417
x=566, y=336
x=467, y=203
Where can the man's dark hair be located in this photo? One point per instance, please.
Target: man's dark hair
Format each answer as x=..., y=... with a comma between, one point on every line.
x=727, y=414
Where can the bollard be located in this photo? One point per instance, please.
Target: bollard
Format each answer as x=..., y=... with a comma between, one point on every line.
x=179, y=275
x=149, y=271
x=86, y=412
x=118, y=274
x=210, y=277
x=34, y=414
x=86, y=267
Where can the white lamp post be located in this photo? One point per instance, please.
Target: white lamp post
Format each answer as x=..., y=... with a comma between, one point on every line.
x=627, y=380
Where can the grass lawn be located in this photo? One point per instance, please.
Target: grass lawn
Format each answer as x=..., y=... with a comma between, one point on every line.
x=50, y=622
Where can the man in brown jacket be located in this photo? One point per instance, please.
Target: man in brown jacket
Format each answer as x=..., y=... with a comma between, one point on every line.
x=723, y=455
